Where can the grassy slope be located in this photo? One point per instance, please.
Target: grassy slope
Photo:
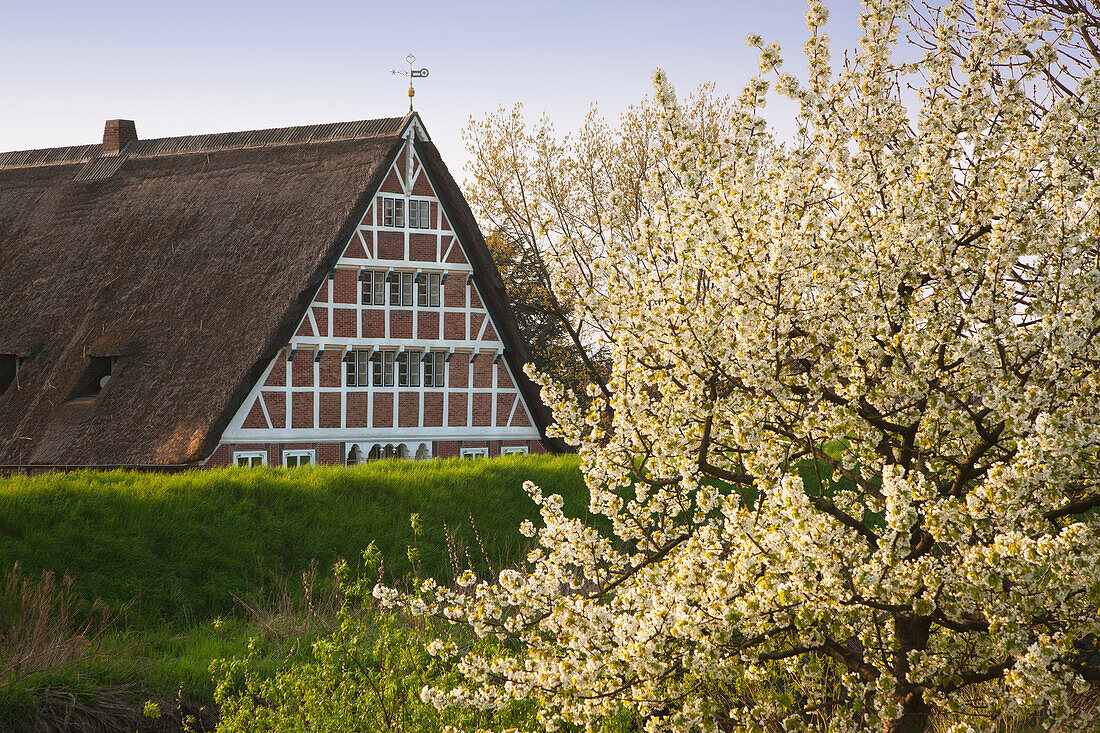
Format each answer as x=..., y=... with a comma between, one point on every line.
x=181, y=547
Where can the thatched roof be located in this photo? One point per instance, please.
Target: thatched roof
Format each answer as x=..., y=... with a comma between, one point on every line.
x=189, y=261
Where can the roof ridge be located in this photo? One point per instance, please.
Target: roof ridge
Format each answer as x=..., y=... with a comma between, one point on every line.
x=183, y=144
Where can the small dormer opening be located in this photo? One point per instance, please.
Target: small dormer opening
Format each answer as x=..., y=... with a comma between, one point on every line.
x=95, y=376
x=9, y=372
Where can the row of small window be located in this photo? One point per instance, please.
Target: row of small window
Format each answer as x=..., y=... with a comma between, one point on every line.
x=298, y=458
x=291, y=458
x=393, y=213
x=413, y=368
x=403, y=286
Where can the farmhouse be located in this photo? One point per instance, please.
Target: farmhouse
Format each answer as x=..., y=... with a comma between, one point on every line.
x=291, y=296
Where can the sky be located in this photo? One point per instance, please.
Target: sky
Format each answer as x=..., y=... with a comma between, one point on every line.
x=180, y=68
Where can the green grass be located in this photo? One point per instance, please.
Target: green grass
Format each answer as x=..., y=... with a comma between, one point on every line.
x=179, y=549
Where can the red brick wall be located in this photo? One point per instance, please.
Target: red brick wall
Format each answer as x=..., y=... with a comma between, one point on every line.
x=483, y=371
x=433, y=409
x=355, y=246
x=255, y=418
x=483, y=409
x=475, y=324
x=329, y=410
x=220, y=457
x=504, y=407
x=276, y=408
x=343, y=323
x=421, y=186
x=422, y=247
x=475, y=299
x=331, y=368
x=504, y=380
x=459, y=371
x=328, y=454
x=344, y=286
x=301, y=370
x=277, y=376
x=457, y=256
x=401, y=324
x=427, y=325
x=383, y=410
x=456, y=409
x=320, y=315
x=454, y=291
x=391, y=245
x=408, y=415
x=374, y=323
x=454, y=326
x=303, y=410
x=357, y=410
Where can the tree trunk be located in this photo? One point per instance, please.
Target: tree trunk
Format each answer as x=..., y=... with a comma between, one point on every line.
x=911, y=633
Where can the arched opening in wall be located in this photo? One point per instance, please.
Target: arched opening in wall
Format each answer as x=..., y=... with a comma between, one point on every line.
x=355, y=456
x=375, y=453
x=388, y=451
x=402, y=452
x=423, y=452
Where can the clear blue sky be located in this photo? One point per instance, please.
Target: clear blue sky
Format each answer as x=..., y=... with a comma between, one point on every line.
x=198, y=66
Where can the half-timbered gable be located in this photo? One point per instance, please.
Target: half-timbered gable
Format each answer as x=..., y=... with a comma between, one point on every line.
x=397, y=353
x=301, y=295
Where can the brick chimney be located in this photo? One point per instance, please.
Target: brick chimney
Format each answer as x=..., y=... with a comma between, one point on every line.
x=116, y=133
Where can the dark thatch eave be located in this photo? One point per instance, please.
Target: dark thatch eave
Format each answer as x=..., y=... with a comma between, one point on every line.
x=188, y=269
x=490, y=284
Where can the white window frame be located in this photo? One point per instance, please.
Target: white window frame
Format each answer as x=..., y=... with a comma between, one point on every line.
x=311, y=454
x=420, y=214
x=357, y=372
x=435, y=369
x=427, y=290
x=473, y=453
x=408, y=369
x=393, y=212
x=382, y=368
x=374, y=287
x=249, y=454
x=514, y=450
x=402, y=289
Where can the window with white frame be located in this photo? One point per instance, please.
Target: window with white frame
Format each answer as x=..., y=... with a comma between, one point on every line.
x=408, y=369
x=393, y=212
x=296, y=458
x=427, y=290
x=419, y=215
x=435, y=368
x=473, y=453
x=401, y=288
x=357, y=368
x=506, y=450
x=374, y=287
x=249, y=458
x=383, y=368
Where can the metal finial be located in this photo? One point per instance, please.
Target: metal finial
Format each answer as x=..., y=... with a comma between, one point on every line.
x=412, y=74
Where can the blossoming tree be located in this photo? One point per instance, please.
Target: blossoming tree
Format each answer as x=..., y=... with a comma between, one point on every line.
x=848, y=452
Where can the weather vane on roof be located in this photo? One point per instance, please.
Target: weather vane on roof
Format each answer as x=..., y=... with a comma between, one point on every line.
x=412, y=74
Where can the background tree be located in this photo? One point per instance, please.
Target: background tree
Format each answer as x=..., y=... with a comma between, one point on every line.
x=554, y=205
x=849, y=442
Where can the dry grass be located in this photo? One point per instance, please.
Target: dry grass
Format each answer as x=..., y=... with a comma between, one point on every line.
x=282, y=609
x=45, y=625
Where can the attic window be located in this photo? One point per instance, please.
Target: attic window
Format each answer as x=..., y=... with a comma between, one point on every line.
x=393, y=212
x=9, y=371
x=95, y=377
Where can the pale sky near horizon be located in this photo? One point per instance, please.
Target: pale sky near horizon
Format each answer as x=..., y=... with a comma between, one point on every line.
x=205, y=66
